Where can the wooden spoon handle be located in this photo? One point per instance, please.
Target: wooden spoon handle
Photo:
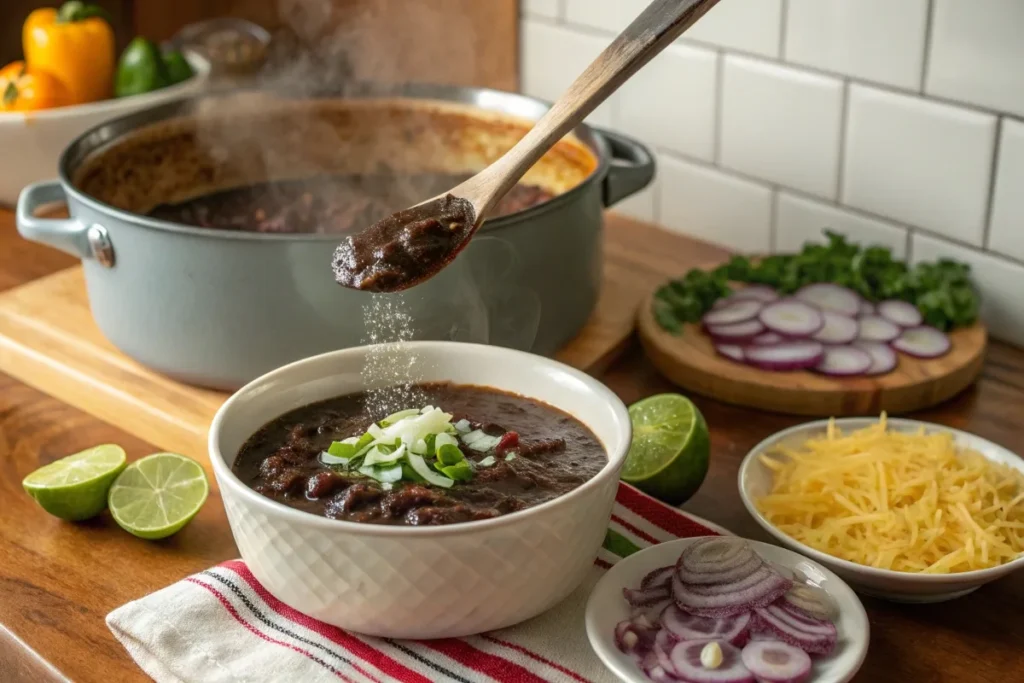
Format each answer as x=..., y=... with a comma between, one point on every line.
x=657, y=26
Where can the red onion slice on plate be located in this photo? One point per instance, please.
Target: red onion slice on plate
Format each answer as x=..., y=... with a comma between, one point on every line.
x=768, y=339
x=685, y=626
x=875, y=328
x=844, y=361
x=794, y=355
x=731, y=351
x=838, y=329
x=883, y=358
x=687, y=662
x=867, y=308
x=645, y=598
x=733, y=313
x=662, y=576
x=767, y=590
x=772, y=661
x=923, y=342
x=902, y=313
x=792, y=318
x=781, y=625
x=736, y=333
x=830, y=297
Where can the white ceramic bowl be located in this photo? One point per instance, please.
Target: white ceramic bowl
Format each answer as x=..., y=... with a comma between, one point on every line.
x=755, y=481
x=606, y=608
x=421, y=582
x=32, y=142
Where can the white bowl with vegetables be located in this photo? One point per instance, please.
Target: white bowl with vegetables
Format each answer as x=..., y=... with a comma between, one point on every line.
x=904, y=510
x=726, y=610
x=36, y=139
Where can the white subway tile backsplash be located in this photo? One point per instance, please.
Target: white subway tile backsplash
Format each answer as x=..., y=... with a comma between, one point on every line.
x=671, y=101
x=977, y=53
x=550, y=59
x=549, y=9
x=606, y=15
x=876, y=40
x=918, y=161
x=799, y=220
x=642, y=205
x=746, y=25
x=1006, y=231
x=781, y=124
x=714, y=206
x=1002, y=307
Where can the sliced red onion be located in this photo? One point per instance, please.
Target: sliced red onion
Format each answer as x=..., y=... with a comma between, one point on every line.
x=838, y=329
x=658, y=674
x=780, y=623
x=663, y=644
x=733, y=313
x=764, y=592
x=877, y=329
x=867, y=308
x=658, y=577
x=902, y=313
x=736, y=333
x=831, y=297
x=923, y=342
x=716, y=576
x=711, y=589
x=767, y=339
x=844, y=361
x=632, y=639
x=645, y=598
x=714, y=554
x=812, y=601
x=792, y=318
x=776, y=662
x=683, y=626
x=793, y=355
x=802, y=620
x=883, y=358
x=687, y=661
x=733, y=352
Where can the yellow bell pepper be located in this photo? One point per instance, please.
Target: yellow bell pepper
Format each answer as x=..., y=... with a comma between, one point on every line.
x=22, y=89
x=76, y=45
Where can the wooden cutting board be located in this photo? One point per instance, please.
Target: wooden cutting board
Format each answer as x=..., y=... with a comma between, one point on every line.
x=48, y=340
x=690, y=361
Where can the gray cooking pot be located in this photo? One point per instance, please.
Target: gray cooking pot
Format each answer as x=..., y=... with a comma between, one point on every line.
x=217, y=308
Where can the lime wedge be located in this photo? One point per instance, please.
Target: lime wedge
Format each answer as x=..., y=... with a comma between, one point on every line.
x=75, y=487
x=158, y=495
x=669, y=455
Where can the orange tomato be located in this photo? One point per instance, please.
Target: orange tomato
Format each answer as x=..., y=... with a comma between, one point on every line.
x=25, y=89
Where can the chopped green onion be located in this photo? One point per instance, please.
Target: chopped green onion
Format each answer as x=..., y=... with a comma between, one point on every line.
x=463, y=426
x=400, y=415
x=408, y=473
x=385, y=474
x=487, y=462
x=328, y=459
x=431, y=442
x=382, y=454
x=510, y=456
x=459, y=472
x=421, y=468
x=450, y=455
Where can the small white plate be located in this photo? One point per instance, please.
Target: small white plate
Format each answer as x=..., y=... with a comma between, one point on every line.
x=606, y=607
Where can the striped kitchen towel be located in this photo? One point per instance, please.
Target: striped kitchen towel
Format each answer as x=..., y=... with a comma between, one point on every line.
x=222, y=626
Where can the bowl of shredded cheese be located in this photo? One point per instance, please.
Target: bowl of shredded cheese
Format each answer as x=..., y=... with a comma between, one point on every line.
x=901, y=509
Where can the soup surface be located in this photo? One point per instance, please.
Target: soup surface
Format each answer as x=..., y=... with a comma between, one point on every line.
x=540, y=453
x=327, y=204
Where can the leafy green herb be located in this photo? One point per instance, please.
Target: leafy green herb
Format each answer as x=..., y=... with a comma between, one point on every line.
x=942, y=291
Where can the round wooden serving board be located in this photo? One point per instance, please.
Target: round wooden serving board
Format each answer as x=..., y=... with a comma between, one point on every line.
x=690, y=361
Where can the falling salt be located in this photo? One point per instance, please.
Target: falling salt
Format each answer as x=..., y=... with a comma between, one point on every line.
x=390, y=367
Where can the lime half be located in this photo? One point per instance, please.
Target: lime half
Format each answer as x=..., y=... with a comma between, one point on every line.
x=158, y=495
x=669, y=455
x=75, y=487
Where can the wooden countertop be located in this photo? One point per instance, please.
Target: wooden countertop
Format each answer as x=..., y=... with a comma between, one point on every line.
x=58, y=580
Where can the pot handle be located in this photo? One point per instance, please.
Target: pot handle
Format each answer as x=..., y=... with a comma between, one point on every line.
x=631, y=170
x=67, y=234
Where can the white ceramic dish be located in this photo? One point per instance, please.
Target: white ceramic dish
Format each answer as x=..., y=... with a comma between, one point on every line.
x=607, y=607
x=755, y=481
x=422, y=582
x=32, y=142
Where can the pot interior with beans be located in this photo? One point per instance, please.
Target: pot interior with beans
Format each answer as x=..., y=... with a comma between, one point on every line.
x=463, y=453
x=259, y=162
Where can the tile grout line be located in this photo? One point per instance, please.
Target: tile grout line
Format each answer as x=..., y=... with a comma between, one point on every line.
x=986, y=226
x=716, y=142
x=929, y=13
x=844, y=123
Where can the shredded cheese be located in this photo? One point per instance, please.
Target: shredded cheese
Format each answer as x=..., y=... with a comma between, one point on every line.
x=895, y=500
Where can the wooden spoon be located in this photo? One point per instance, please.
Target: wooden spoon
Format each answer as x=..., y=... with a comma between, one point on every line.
x=415, y=244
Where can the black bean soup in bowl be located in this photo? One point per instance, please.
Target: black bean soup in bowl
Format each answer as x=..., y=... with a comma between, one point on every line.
x=462, y=453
